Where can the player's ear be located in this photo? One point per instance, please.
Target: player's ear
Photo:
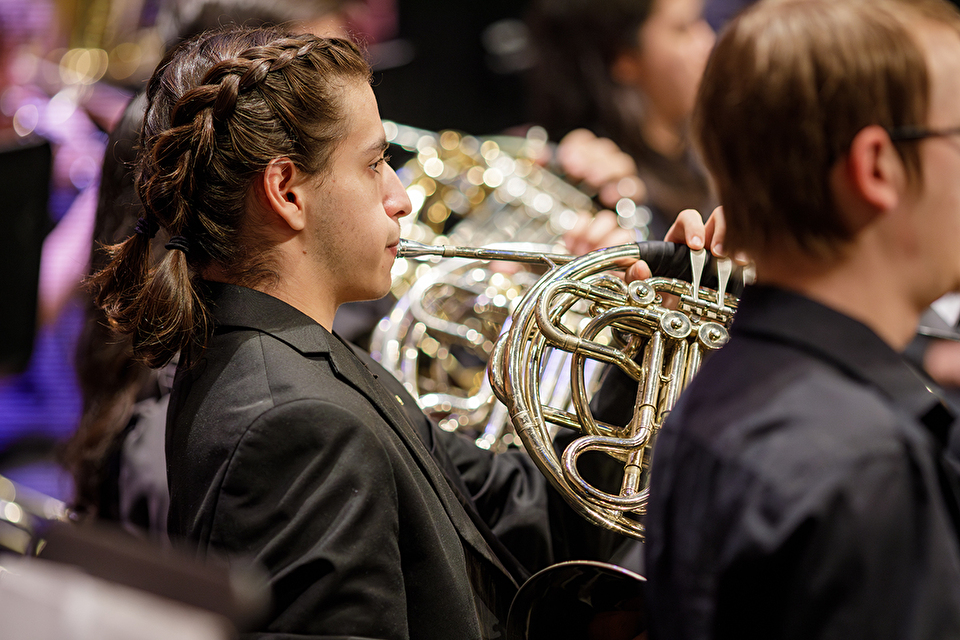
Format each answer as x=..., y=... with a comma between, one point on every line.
x=626, y=68
x=875, y=168
x=283, y=186
x=869, y=179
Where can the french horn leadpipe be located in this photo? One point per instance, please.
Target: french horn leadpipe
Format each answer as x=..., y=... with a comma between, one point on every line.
x=658, y=260
x=413, y=249
x=627, y=327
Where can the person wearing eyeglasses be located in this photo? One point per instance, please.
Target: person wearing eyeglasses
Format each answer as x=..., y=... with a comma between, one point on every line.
x=804, y=486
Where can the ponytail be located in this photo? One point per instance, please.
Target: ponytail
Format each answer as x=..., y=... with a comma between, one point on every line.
x=172, y=311
x=159, y=307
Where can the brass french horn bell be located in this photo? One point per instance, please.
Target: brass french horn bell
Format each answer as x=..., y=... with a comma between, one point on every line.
x=581, y=308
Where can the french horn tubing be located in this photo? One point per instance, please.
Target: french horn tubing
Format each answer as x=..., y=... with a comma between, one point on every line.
x=656, y=331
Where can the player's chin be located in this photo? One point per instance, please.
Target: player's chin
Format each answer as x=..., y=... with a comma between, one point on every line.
x=383, y=286
x=373, y=288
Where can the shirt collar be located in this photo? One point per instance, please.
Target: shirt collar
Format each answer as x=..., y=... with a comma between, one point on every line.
x=790, y=318
x=236, y=307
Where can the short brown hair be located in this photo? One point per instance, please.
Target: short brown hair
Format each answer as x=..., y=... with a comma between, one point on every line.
x=788, y=86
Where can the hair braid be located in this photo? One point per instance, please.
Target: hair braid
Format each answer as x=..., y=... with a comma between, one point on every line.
x=221, y=107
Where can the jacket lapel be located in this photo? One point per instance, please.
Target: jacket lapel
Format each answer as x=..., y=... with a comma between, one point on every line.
x=352, y=370
x=240, y=306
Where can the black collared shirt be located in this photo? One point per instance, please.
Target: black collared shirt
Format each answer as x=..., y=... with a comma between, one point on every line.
x=800, y=488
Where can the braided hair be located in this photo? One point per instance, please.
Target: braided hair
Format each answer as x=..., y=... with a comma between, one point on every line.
x=221, y=106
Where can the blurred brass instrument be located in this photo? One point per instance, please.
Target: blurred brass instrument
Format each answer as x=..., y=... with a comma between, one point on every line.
x=439, y=335
x=477, y=191
x=579, y=308
x=24, y=515
x=467, y=190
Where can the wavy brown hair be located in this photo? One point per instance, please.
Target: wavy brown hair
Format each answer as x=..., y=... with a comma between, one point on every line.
x=220, y=107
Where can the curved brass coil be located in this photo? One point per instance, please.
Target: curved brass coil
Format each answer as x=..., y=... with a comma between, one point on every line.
x=579, y=308
x=439, y=337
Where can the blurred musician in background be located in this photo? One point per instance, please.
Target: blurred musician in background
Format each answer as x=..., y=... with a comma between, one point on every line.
x=39, y=399
x=803, y=486
x=626, y=70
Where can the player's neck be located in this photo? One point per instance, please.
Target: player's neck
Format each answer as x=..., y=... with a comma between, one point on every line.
x=861, y=284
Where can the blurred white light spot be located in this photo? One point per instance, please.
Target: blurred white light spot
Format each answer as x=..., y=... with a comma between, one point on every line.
x=492, y=178
x=400, y=267
x=61, y=107
x=567, y=219
x=626, y=207
x=433, y=167
x=390, y=130
x=427, y=144
x=26, y=119
x=417, y=197
x=12, y=512
x=516, y=187
x=543, y=203
x=644, y=216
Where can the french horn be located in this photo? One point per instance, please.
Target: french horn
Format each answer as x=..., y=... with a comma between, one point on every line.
x=655, y=331
x=439, y=335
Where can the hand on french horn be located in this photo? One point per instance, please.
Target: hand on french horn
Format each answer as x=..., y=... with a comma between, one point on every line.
x=689, y=229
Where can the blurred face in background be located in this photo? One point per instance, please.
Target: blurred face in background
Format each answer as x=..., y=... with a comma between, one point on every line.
x=666, y=66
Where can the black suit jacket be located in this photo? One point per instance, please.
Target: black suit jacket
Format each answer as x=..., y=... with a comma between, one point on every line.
x=286, y=446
